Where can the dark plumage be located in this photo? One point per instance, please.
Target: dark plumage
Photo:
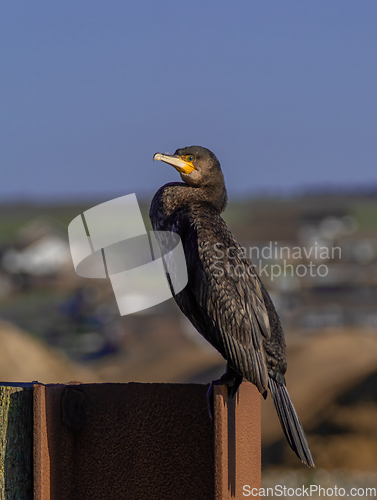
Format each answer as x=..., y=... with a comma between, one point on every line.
x=233, y=311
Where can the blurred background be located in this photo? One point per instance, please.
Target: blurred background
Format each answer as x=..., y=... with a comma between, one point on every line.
x=284, y=94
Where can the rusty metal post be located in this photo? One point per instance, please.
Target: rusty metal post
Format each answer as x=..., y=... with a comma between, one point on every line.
x=237, y=441
x=135, y=441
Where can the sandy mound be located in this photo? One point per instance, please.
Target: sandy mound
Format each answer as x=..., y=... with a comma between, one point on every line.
x=320, y=369
x=26, y=359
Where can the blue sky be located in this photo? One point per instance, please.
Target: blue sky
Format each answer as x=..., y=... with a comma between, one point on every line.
x=283, y=92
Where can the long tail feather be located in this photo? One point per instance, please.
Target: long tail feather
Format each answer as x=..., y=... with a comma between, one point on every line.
x=290, y=422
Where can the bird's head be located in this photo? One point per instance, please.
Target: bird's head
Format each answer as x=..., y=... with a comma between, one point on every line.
x=198, y=166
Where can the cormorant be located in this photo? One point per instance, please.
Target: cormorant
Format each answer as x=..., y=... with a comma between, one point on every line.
x=232, y=310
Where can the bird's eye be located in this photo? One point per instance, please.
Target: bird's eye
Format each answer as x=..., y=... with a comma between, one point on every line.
x=190, y=158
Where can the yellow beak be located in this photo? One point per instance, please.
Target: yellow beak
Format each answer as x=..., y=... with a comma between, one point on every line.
x=179, y=163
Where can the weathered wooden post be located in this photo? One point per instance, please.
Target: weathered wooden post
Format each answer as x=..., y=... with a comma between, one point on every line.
x=16, y=441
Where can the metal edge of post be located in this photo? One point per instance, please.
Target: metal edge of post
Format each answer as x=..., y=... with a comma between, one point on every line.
x=41, y=459
x=237, y=442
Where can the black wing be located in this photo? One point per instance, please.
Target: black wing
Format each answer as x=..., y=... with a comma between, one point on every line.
x=224, y=303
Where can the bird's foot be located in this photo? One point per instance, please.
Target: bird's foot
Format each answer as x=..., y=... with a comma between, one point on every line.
x=231, y=379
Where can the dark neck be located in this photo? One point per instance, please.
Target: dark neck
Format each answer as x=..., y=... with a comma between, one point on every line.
x=180, y=193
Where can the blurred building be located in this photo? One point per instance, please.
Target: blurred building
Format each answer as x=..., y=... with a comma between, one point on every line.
x=39, y=255
x=317, y=256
